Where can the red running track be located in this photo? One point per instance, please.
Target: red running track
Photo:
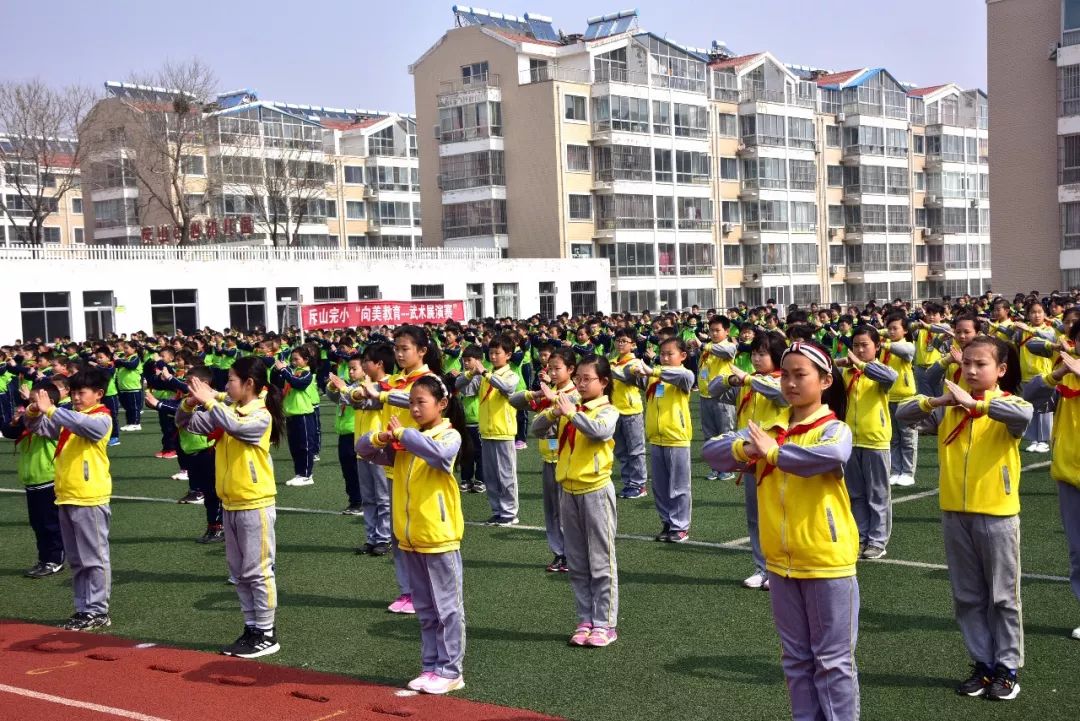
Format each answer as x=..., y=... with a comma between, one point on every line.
x=51, y=675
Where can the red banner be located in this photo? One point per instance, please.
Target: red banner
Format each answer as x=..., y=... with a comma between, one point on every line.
x=381, y=312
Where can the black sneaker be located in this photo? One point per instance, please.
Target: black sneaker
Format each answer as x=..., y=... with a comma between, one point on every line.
x=477, y=487
x=977, y=683
x=380, y=549
x=506, y=522
x=493, y=521
x=77, y=621
x=87, y=622
x=42, y=569
x=665, y=531
x=192, y=498
x=365, y=549
x=465, y=486
x=253, y=644
x=354, y=509
x=212, y=535
x=1005, y=686
x=678, y=536
x=553, y=567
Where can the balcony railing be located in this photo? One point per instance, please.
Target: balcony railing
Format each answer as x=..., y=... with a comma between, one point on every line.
x=476, y=181
x=253, y=253
x=864, y=228
x=766, y=226
x=1070, y=37
x=476, y=82
x=549, y=72
x=459, y=135
x=469, y=231
x=694, y=224
x=607, y=175
x=616, y=74
x=625, y=223
x=761, y=94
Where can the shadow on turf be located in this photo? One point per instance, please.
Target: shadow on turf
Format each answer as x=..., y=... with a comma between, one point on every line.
x=751, y=669
x=393, y=629
x=226, y=600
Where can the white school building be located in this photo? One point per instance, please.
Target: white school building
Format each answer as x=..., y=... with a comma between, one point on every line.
x=88, y=292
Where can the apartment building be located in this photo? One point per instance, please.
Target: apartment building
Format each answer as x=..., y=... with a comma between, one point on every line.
x=704, y=176
x=1034, y=73
x=249, y=171
x=64, y=224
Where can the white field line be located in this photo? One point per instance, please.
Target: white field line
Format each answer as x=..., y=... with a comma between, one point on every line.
x=122, y=713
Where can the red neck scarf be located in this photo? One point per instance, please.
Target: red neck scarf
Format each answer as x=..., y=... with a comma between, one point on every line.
x=65, y=433
x=750, y=391
x=969, y=415
x=787, y=434
x=569, y=431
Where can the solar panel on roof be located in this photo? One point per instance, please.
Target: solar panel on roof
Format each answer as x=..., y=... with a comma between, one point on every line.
x=622, y=25
x=542, y=30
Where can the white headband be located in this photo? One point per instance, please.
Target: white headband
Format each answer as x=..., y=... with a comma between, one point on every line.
x=821, y=360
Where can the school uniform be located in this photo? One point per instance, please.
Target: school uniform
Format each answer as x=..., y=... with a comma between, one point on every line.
x=472, y=466
x=428, y=526
x=904, y=444
x=373, y=486
x=244, y=481
x=630, y=430
x=112, y=400
x=979, y=458
x=867, y=470
x=585, y=451
x=36, y=470
x=129, y=387
x=345, y=427
x=299, y=419
x=1032, y=365
x=195, y=453
x=717, y=417
x=83, y=488
x=668, y=429
x=498, y=428
x=811, y=544
x=926, y=354
x=165, y=390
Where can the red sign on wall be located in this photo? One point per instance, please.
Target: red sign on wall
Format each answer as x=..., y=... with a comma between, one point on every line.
x=381, y=312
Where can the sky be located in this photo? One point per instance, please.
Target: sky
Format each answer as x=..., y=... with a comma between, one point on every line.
x=356, y=53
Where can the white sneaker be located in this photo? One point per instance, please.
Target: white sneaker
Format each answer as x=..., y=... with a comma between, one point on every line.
x=438, y=685
x=755, y=581
x=181, y=476
x=300, y=481
x=1076, y=633
x=135, y=427
x=316, y=458
x=418, y=683
x=905, y=480
x=894, y=480
x=1043, y=448
x=1033, y=447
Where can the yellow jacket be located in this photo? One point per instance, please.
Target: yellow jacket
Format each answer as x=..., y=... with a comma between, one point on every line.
x=804, y=512
x=243, y=468
x=900, y=357
x=1031, y=364
x=585, y=444
x=716, y=360
x=667, y=406
x=425, y=501
x=926, y=352
x=497, y=418
x=369, y=415
x=535, y=401
x=978, y=452
x=867, y=386
x=625, y=393
x=759, y=400
x=83, y=477
x=1065, y=441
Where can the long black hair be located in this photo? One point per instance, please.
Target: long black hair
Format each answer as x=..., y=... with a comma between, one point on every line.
x=253, y=368
x=1003, y=353
x=439, y=388
x=420, y=338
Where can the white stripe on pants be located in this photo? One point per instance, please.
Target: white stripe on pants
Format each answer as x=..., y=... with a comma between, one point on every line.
x=589, y=525
x=818, y=623
x=250, y=548
x=552, y=516
x=440, y=608
x=85, y=532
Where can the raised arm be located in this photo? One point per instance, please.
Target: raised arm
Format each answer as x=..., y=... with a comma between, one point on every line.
x=827, y=455
x=600, y=428
x=436, y=452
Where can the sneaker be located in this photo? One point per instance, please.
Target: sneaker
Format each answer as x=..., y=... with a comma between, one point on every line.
x=437, y=685
x=253, y=644
x=87, y=622
x=602, y=636
x=1076, y=633
x=563, y=568
x=380, y=549
x=726, y=477
x=678, y=536
x=581, y=634
x=365, y=549
x=464, y=486
x=418, y=683
x=232, y=581
x=553, y=567
x=1043, y=448
x=665, y=530
x=316, y=458
x=1033, y=447
x=873, y=552
x=477, y=487
x=168, y=455
x=354, y=509
x=46, y=569
x=632, y=492
x=520, y=445
x=905, y=480
x=893, y=479
x=507, y=522
x=181, y=476
x=160, y=454
x=212, y=535
x=300, y=481
x=765, y=586
x=713, y=476
x=75, y=623
x=403, y=604
x=1005, y=686
x=114, y=442
x=193, y=498
x=133, y=427
x=756, y=581
x=977, y=683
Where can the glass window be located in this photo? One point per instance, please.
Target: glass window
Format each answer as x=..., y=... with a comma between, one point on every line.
x=730, y=211
x=581, y=207
x=832, y=136
x=247, y=309
x=919, y=144
x=354, y=175
x=1070, y=226
x=475, y=218
x=76, y=205
x=547, y=299
x=732, y=256
x=727, y=125
x=575, y=107
x=582, y=297
x=427, y=292
x=193, y=164
x=45, y=315
x=288, y=307
x=367, y=292
x=696, y=258
x=172, y=311
x=834, y=175
x=330, y=294
x=802, y=174
x=506, y=300
x=729, y=168
x=474, y=299
x=577, y=158
x=836, y=216
x=1069, y=90
x=354, y=209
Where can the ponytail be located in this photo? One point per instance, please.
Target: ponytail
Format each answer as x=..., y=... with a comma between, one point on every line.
x=254, y=368
x=455, y=412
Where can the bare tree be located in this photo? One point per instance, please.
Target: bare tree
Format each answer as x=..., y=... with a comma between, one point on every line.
x=170, y=126
x=38, y=150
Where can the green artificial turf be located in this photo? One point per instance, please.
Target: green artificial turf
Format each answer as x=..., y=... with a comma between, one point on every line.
x=693, y=644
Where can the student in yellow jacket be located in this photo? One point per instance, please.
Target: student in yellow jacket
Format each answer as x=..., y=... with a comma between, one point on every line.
x=668, y=429
x=585, y=452
x=630, y=432
x=428, y=524
x=717, y=359
x=245, y=420
x=83, y=489
x=899, y=354
x=1026, y=337
x=808, y=533
x=979, y=456
x=1065, y=467
x=926, y=351
x=867, y=382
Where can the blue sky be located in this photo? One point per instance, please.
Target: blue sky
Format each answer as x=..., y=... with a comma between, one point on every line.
x=356, y=53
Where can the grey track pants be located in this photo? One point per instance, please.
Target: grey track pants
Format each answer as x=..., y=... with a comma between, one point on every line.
x=500, y=477
x=589, y=525
x=85, y=532
x=250, y=549
x=440, y=608
x=630, y=450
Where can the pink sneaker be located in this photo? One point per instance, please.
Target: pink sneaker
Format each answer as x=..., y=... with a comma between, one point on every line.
x=520, y=445
x=601, y=637
x=437, y=685
x=581, y=634
x=399, y=604
x=418, y=683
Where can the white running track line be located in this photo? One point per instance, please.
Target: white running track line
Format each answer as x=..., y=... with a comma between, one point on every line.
x=122, y=713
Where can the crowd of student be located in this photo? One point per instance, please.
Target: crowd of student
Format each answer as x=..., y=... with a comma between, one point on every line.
x=816, y=415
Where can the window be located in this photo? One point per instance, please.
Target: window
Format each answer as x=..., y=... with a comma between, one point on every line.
x=331, y=209
x=834, y=176
x=836, y=216
x=832, y=136
x=633, y=301
x=474, y=299
x=475, y=73
x=475, y=218
x=76, y=205
x=582, y=297
x=367, y=292
x=615, y=112
x=803, y=217
x=701, y=297
x=330, y=294
x=801, y=133
x=1069, y=152
x=354, y=209
x=918, y=144
x=581, y=250
x=896, y=145
x=762, y=129
x=50, y=235
x=727, y=125
x=696, y=258
x=920, y=217
x=577, y=158
x=506, y=300
x=354, y=175
x=662, y=165
x=247, y=309
x=920, y=254
x=732, y=256
x=920, y=181
x=695, y=213
x=730, y=211
x=1069, y=90
x=802, y=174
x=195, y=202
x=729, y=168
x=836, y=255
x=427, y=292
x=661, y=117
x=288, y=307
x=1070, y=226
x=538, y=70
x=193, y=164
x=622, y=211
x=1070, y=278
x=900, y=256
x=45, y=315
x=581, y=207
x=471, y=170
x=691, y=121
x=172, y=311
x=631, y=259
x=78, y=236
x=575, y=107
x=547, y=299
x=691, y=167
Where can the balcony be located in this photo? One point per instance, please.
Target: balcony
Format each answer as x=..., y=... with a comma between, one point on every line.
x=695, y=224
x=1070, y=37
x=478, y=181
x=476, y=82
x=460, y=135
x=853, y=153
x=609, y=73
x=546, y=73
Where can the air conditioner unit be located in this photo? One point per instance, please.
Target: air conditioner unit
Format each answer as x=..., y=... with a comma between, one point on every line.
x=841, y=117
x=727, y=228
x=933, y=198
x=926, y=232
x=833, y=232
x=834, y=269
